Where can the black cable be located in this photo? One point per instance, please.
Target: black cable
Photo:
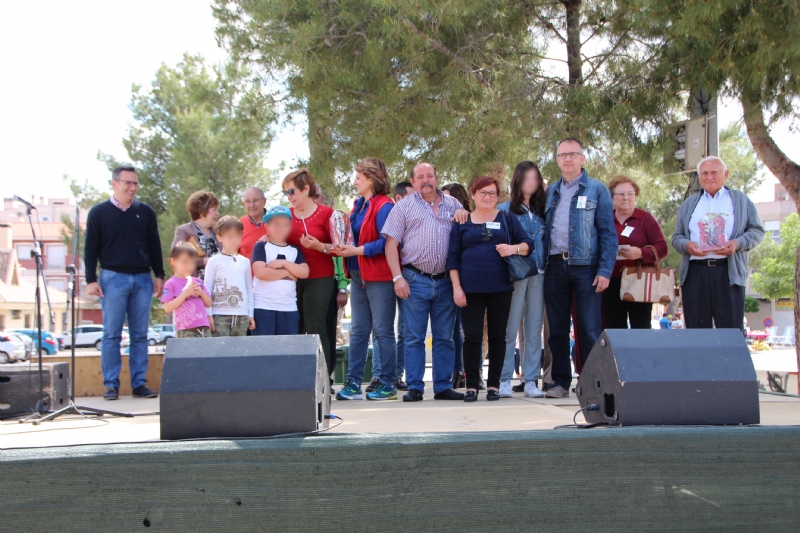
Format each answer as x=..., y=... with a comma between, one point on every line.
x=575, y=425
x=329, y=416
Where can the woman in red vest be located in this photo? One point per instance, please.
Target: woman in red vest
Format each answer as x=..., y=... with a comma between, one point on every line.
x=372, y=297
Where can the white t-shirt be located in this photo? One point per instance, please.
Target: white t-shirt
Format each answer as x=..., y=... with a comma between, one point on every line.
x=711, y=223
x=230, y=283
x=279, y=294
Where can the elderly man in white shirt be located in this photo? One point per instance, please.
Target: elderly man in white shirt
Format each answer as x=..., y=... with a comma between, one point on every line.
x=714, y=232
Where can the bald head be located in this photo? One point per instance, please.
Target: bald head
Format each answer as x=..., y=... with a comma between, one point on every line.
x=424, y=175
x=254, y=202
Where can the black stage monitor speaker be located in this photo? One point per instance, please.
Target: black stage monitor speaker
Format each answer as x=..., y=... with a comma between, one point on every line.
x=243, y=387
x=670, y=377
x=19, y=388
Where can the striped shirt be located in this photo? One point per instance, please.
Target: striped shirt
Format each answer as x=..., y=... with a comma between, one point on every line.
x=423, y=235
x=119, y=205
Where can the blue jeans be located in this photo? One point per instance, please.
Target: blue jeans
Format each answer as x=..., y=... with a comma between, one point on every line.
x=562, y=282
x=434, y=299
x=401, y=346
x=131, y=295
x=527, y=303
x=276, y=322
x=373, y=306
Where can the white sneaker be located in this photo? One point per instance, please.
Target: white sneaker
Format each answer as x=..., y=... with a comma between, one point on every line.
x=532, y=391
x=505, y=389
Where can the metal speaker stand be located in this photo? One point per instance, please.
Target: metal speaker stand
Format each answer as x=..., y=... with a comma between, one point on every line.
x=72, y=293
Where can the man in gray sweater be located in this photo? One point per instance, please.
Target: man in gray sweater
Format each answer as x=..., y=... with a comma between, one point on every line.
x=714, y=232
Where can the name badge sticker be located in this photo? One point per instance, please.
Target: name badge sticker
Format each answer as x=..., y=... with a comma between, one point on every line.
x=492, y=225
x=627, y=231
x=581, y=202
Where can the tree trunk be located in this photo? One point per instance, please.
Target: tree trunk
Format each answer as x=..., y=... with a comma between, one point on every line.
x=320, y=147
x=497, y=170
x=574, y=41
x=787, y=172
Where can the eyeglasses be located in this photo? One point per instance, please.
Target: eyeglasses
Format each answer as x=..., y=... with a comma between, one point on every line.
x=129, y=183
x=486, y=233
x=487, y=194
x=629, y=194
x=290, y=192
x=569, y=155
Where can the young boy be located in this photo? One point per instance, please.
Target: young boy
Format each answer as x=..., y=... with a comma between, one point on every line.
x=229, y=281
x=186, y=296
x=277, y=267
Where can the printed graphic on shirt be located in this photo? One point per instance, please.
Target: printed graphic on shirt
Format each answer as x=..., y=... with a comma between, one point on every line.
x=226, y=296
x=712, y=230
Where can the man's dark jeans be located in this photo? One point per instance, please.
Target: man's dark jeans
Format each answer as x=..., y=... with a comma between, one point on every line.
x=562, y=282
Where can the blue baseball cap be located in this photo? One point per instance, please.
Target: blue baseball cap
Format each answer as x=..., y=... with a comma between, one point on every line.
x=277, y=211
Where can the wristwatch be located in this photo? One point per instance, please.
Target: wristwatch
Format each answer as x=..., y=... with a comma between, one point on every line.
x=342, y=291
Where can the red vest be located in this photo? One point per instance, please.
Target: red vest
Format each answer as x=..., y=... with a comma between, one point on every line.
x=374, y=268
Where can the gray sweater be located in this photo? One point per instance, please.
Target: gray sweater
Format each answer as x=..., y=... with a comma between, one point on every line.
x=747, y=232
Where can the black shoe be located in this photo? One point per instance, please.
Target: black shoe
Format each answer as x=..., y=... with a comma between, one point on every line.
x=492, y=395
x=143, y=392
x=372, y=385
x=471, y=396
x=448, y=394
x=547, y=386
x=519, y=387
x=413, y=395
x=111, y=394
x=401, y=385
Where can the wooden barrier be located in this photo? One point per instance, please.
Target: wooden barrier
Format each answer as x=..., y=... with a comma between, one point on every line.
x=89, y=372
x=604, y=480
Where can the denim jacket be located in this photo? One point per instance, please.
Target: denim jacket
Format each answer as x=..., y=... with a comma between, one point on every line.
x=534, y=226
x=592, y=235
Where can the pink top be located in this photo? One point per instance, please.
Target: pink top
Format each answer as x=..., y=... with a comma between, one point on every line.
x=192, y=312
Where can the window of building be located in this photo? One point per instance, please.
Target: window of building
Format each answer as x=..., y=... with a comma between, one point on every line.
x=56, y=256
x=773, y=229
x=58, y=284
x=27, y=321
x=24, y=251
x=15, y=314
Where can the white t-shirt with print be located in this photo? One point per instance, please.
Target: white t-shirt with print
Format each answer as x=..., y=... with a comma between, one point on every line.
x=229, y=280
x=280, y=294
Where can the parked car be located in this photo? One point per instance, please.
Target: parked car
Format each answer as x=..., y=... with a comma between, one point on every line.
x=27, y=341
x=165, y=331
x=49, y=340
x=87, y=335
x=152, y=336
x=12, y=348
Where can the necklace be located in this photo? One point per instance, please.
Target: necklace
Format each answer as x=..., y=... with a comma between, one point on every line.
x=229, y=255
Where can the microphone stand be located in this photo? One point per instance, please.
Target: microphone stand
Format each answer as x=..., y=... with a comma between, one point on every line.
x=72, y=409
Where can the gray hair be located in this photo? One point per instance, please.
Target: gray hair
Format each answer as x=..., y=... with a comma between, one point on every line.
x=120, y=169
x=260, y=191
x=711, y=158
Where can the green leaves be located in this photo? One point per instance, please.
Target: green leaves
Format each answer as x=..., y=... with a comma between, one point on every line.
x=776, y=264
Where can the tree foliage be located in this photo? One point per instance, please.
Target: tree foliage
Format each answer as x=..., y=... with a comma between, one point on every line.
x=775, y=277
x=472, y=86
x=198, y=127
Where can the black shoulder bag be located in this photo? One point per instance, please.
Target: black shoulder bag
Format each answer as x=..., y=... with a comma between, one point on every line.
x=519, y=266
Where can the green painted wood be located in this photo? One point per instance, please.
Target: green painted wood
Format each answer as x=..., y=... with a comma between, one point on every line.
x=602, y=480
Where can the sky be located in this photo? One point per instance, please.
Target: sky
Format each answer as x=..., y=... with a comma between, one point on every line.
x=68, y=68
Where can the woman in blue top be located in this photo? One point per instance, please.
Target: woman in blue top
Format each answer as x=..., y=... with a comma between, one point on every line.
x=527, y=205
x=481, y=286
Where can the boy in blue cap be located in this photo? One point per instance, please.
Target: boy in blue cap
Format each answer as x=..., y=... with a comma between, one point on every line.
x=276, y=268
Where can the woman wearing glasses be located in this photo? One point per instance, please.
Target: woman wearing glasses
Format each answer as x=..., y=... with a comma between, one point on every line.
x=636, y=229
x=311, y=230
x=527, y=205
x=481, y=286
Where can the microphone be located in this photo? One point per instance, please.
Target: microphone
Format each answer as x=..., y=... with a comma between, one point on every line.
x=23, y=201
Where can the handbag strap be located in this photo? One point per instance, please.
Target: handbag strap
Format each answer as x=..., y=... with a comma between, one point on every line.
x=505, y=225
x=655, y=253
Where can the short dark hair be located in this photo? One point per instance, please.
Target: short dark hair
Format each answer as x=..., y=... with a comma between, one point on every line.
x=182, y=248
x=458, y=192
x=120, y=169
x=570, y=139
x=402, y=188
x=228, y=223
x=665, y=314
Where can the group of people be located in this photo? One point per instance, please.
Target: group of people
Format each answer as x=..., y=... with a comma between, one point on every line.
x=422, y=256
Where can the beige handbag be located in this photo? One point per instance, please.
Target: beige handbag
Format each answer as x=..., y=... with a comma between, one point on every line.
x=647, y=284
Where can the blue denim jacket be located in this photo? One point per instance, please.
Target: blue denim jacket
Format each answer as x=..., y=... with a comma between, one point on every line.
x=592, y=235
x=535, y=229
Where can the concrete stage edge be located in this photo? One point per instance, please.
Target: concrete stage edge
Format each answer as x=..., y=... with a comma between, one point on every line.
x=622, y=479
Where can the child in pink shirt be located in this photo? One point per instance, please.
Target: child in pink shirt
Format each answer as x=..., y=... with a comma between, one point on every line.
x=186, y=296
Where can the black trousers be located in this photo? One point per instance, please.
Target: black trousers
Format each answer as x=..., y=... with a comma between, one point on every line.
x=330, y=325
x=709, y=300
x=495, y=307
x=618, y=312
